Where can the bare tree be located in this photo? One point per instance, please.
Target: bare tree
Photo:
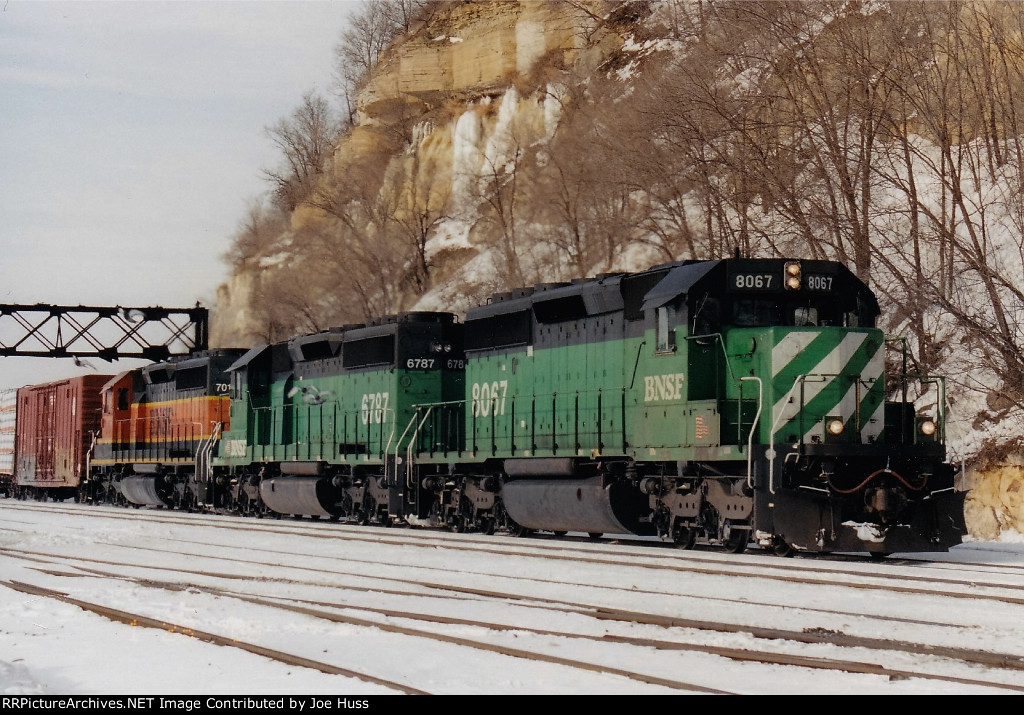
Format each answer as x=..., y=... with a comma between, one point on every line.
x=371, y=28
x=256, y=232
x=306, y=139
x=415, y=204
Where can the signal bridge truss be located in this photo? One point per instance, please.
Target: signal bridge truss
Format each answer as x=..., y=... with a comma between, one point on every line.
x=60, y=331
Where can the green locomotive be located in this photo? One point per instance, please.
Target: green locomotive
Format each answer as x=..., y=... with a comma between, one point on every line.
x=317, y=421
x=736, y=401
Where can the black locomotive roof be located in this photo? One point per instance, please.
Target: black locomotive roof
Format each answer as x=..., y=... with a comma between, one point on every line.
x=678, y=282
x=162, y=371
x=248, y=357
x=653, y=288
x=606, y=293
x=328, y=343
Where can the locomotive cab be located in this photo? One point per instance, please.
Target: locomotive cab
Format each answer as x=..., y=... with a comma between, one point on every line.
x=787, y=354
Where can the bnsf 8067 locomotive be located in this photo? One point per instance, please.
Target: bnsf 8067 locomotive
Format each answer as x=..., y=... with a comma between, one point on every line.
x=731, y=401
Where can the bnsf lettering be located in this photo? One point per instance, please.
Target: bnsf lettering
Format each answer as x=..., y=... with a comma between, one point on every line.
x=663, y=387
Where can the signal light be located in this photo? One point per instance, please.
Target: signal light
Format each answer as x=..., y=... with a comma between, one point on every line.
x=791, y=275
x=927, y=428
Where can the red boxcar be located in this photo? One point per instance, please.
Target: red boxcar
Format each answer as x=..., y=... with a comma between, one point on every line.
x=56, y=425
x=8, y=406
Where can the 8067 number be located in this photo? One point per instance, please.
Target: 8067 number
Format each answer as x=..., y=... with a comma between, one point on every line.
x=753, y=281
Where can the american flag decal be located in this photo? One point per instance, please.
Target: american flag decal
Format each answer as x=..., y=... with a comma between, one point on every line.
x=701, y=430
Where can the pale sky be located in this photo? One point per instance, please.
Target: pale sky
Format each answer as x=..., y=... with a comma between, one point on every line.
x=132, y=138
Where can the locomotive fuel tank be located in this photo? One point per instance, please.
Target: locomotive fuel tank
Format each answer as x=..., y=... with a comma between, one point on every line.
x=147, y=490
x=588, y=505
x=315, y=496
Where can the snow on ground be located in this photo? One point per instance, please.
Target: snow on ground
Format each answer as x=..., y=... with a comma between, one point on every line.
x=48, y=647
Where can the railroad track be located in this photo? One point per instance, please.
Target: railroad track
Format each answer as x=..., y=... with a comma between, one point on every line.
x=429, y=602
x=1003, y=670
x=652, y=554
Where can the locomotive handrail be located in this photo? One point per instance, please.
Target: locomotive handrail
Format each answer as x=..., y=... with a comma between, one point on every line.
x=410, y=445
x=798, y=382
x=753, y=427
x=398, y=444
x=770, y=453
x=940, y=402
x=383, y=420
x=442, y=410
x=903, y=355
x=721, y=343
x=906, y=377
x=636, y=363
x=88, y=457
x=203, y=451
x=155, y=442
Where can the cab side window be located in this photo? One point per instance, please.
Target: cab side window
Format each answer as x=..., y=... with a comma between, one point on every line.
x=706, y=319
x=665, y=332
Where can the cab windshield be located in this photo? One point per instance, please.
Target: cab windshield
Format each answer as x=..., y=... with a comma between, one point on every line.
x=749, y=312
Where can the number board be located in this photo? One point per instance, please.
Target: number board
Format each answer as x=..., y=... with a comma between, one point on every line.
x=819, y=282
x=755, y=281
x=447, y=363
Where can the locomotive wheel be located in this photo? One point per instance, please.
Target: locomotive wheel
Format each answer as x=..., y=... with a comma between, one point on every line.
x=736, y=541
x=463, y=520
x=685, y=537
x=369, y=509
x=560, y=533
x=781, y=548
x=595, y=535
x=487, y=525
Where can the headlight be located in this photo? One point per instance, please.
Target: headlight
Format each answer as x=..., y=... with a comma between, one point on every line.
x=835, y=427
x=792, y=275
x=927, y=428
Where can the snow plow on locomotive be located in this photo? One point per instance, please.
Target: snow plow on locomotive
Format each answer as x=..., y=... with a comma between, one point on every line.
x=731, y=402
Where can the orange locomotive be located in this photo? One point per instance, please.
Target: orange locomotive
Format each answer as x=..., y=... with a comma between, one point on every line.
x=159, y=426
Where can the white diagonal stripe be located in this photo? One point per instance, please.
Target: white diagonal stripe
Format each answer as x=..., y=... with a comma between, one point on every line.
x=831, y=364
